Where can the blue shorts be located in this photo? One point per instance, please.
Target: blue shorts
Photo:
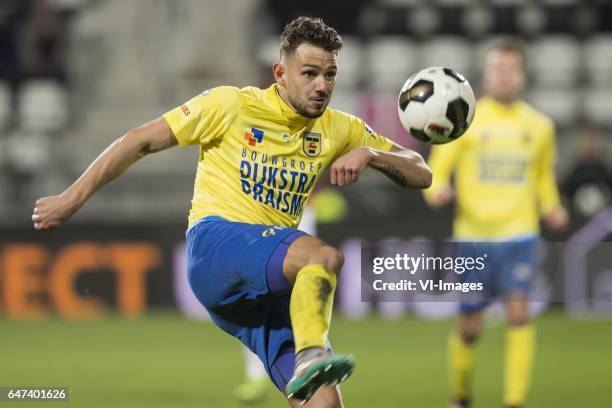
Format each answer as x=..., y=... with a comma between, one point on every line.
x=509, y=268
x=229, y=265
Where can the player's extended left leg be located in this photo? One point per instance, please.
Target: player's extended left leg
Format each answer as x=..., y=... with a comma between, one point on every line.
x=520, y=349
x=312, y=266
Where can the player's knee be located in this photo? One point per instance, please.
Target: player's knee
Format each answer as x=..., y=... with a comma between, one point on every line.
x=328, y=256
x=518, y=321
x=470, y=337
x=518, y=316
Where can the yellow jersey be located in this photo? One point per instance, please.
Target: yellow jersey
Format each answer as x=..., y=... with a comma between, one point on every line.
x=503, y=172
x=259, y=159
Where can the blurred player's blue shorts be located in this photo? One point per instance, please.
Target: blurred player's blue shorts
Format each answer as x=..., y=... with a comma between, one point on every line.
x=509, y=268
x=229, y=265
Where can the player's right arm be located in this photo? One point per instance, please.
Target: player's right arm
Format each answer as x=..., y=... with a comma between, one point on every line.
x=152, y=137
x=199, y=121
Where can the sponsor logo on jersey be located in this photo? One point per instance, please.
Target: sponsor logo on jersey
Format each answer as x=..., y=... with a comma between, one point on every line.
x=185, y=110
x=254, y=136
x=502, y=167
x=277, y=181
x=312, y=144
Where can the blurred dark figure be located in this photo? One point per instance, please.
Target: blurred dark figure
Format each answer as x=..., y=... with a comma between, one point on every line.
x=43, y=45
x=8, y=36
x=588, y=185
x=341, y=14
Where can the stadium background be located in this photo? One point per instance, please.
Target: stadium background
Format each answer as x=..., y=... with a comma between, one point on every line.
x=99, y=305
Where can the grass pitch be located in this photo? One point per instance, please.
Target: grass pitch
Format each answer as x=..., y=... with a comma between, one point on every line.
x=165, y=360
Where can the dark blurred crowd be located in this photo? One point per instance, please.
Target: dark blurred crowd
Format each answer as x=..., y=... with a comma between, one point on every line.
x=33, y=90
x=587, y=186
x=33, y=41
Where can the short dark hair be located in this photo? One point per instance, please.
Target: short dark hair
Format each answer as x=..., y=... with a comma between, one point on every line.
x=310, y=30
x=512, y=45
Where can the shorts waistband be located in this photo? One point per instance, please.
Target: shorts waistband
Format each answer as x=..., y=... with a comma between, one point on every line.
x=209, y=218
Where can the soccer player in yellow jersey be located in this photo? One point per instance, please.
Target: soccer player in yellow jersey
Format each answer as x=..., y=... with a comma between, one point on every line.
x=504, y=184
x=261, y=153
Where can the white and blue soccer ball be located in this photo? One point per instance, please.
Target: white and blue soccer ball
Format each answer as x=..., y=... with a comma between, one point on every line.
x=436, y=105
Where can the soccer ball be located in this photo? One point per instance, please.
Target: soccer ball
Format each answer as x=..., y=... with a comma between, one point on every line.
x=436, y=105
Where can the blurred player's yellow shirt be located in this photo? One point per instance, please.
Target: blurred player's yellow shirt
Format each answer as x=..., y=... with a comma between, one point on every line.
x=259, y=159
x=504, y=172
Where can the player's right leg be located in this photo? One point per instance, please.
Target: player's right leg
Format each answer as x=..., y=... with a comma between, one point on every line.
x=312, y=268
x=463, y=338
x=461, y=344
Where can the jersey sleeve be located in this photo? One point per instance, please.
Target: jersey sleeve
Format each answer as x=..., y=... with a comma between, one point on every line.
x=359, y=134
x=548, y=193
x=204, y=118
x=443, y=160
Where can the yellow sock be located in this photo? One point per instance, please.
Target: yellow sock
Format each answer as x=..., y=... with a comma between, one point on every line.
x=460, y=365
x=311, y=304
x=520, y=350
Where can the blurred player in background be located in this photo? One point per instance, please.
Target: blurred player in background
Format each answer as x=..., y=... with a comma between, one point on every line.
x=504, y=183
x=254, y=388
x=261, y=153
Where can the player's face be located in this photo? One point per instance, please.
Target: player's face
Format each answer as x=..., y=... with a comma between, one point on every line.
x=308, y=79
x=504, y=76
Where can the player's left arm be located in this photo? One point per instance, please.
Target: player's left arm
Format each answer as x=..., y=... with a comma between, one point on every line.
x=553, y=214
x=364, y=147
x=403, y=166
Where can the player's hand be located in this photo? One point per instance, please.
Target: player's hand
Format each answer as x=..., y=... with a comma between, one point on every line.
x=556, y=219
x=347, y=169
x=51, y=211
x=442, y=197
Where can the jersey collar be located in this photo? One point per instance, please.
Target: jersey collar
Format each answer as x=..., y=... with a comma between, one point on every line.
x=502, y=109
x=284, y=109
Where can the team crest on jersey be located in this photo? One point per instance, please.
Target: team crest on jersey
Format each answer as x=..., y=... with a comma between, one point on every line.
x=254, y=136
x=312, y=144
x=526, y=137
